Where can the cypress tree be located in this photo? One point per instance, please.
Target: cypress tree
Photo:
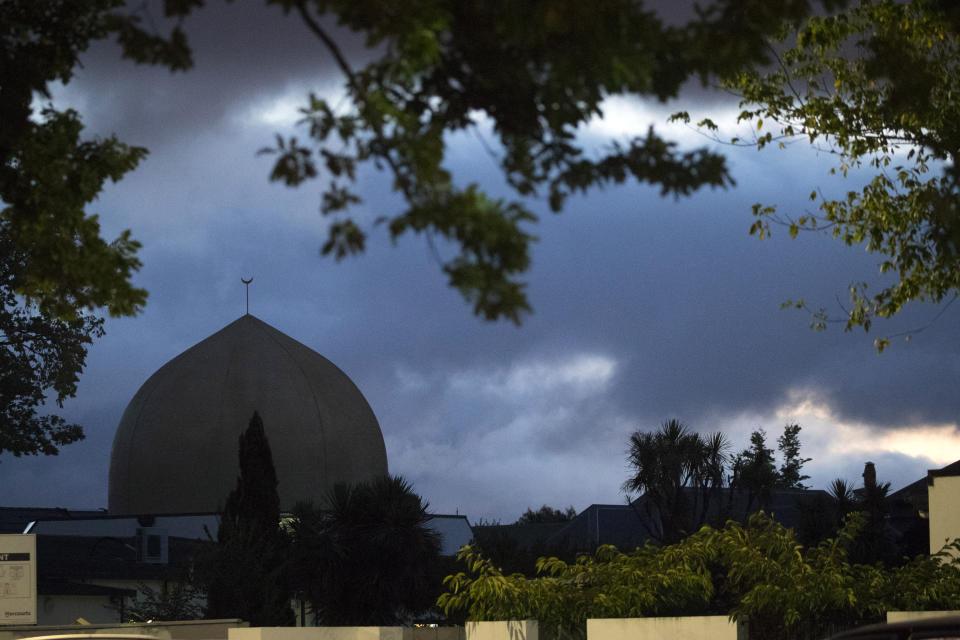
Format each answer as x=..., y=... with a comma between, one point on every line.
x=246, y=571
x=254, y=502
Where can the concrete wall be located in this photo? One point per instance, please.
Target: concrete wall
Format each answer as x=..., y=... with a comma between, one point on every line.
x=503, y=630
x=435, y=633
x=688, y=628
x=903, y=616
x=944, y=498
x=347, y=633
x=184, y=630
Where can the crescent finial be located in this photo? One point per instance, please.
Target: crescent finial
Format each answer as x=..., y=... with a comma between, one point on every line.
x=247, y=282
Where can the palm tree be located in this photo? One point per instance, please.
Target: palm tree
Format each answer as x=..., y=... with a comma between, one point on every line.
x=366, y=559
x=677, y=473
x=844, y=499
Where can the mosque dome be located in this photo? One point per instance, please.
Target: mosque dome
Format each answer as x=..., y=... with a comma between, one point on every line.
x=176, y=449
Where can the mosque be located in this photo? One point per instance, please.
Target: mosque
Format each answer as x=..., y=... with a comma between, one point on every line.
x=175, y=459
x=175, y=450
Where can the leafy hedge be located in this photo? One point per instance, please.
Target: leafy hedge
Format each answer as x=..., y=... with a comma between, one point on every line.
x=755, y=570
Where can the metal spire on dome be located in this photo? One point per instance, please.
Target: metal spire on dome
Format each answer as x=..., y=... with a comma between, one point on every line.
x=247, y=283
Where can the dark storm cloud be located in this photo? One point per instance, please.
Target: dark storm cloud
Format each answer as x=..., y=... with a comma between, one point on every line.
x=645, y=308
x=242, y=51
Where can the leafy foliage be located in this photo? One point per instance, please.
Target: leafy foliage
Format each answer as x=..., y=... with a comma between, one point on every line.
x=56, y=266
x=679, y=474
x=790, y=474
x=876, y=541
x=176, y=600
x=754, y=468
x=874, y=86
x=681, y=477
x=755, y=570
x=535, y=73
x=367, y=557
x=547, y=514
x=39, y=353
x=48, y=173
x=873, y=83
x=513, y=554
x=245, y=572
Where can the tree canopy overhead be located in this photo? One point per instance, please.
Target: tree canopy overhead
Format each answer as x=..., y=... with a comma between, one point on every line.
x=875, y=86
x=39, y=354
x=535, y=73
x=56, y=267
x=49, y=173
x=872, y=81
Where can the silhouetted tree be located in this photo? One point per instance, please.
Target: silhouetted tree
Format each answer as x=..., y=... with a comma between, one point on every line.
x=790, y=475
x=245, y=572
x=845, y=500
x=754, y=472
x=679, y=474
x=873, y=543
x=367, y=559
x=175, y=600
x=547, y=514
x=816, y=519
x=874, y=540
x=41, y=358
x=513, y=553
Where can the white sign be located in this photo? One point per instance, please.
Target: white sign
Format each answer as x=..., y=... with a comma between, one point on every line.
x=18, y=578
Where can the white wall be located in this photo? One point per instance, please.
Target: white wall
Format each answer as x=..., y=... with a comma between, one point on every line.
x=688, y=628
x=317, y=633
x=503, y=630
x=183, y=630
x=903, y=616
x=944, y=498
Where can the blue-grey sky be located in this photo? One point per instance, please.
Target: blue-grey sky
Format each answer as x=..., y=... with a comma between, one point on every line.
x=645, y=308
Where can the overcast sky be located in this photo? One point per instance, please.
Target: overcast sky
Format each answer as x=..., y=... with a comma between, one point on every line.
x=646, y=308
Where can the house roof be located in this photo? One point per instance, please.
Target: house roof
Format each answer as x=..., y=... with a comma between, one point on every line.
x=952, y=469
x=57, y=587
x=79, y=558
x=525, y=536
x=455, y=532
x=627, y=526
x=16, y=519
x=915, y=493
